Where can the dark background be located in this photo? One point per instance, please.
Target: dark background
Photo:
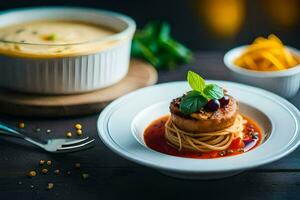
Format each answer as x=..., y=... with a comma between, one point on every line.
x=202, y=24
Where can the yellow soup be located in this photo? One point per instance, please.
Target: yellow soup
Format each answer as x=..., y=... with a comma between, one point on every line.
x=53, y=38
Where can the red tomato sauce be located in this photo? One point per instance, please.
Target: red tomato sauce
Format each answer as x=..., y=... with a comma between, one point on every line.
x=154, y=137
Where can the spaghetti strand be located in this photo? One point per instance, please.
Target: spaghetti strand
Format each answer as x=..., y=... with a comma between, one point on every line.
x=204, y=142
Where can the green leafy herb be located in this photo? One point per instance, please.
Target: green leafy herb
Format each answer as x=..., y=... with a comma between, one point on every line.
x=213, y=91
x=200, y=95
x=195, y=81
x=50, y=37
x=192, y=102
x=155, y=44
x=141, y=50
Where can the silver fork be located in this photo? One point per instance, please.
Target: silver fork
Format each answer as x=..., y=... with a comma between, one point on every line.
x=50, y=145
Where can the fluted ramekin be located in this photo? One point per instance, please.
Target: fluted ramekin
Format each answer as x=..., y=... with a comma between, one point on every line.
x=85, y=71
x=284, y=82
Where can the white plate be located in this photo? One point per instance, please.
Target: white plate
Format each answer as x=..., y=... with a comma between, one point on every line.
x=121, y=126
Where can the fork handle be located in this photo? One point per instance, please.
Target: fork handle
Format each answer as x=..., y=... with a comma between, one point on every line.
x=10, y=131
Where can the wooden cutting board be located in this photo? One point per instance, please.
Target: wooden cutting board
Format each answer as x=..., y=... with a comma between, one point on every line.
x=140, y=75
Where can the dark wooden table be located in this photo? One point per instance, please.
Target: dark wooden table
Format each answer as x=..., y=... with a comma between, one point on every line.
x=112, y=177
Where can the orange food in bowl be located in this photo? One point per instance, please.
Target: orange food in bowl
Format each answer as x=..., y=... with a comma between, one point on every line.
x=267, y=54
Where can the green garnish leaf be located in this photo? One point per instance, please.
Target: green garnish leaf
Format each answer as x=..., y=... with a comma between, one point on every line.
x=196, y=81
x=200, y=95
x=164, y=33
x=50, y=37
x=144, y=51
x=213, y=91
x=154, y=44
x=192, y=102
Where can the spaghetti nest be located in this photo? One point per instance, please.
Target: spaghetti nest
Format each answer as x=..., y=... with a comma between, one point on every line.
x=204, y=142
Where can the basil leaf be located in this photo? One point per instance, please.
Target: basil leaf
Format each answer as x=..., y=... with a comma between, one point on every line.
x=154, y=44
x=150, y=30
x=140, y=50
x=213, y=91
x=164, y=32
x=192, y=102
x=195, y=81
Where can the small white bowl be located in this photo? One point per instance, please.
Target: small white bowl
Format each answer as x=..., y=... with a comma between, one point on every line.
x=285, y=83
x=94, y=68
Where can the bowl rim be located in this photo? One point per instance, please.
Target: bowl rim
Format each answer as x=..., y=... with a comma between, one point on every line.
x=232, y=54
x=129, y=30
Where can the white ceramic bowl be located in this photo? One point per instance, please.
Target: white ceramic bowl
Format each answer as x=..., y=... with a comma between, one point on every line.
x=121, y=127
x=285, y=83
x=81, y=72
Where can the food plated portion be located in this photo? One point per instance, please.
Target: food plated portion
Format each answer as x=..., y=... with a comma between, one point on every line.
x=63, y=50
x=204, y=123
x=267, y=54
x=122, y=125
x=266, y=63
